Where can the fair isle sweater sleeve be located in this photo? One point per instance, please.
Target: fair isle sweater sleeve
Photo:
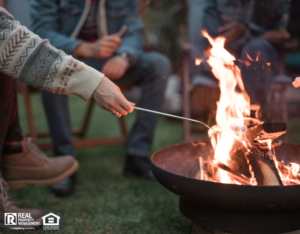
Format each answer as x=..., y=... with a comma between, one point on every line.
x=25, y=56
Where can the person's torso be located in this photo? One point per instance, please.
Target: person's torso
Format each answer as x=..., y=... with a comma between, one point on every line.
x=71, y=13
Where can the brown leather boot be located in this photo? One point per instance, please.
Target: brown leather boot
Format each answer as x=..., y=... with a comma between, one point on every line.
x=8, y=206
x=32, y=166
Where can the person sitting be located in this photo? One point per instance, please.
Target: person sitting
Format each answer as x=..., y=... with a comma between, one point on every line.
x=252, y=29
x=90, y=30
x=28, y=58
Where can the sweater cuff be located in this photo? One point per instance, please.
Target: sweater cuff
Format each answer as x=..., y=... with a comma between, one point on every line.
x=86, y=82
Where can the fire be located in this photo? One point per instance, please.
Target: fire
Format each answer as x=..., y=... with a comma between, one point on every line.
x=233, y=111
x=232, y=106
x=198, y=61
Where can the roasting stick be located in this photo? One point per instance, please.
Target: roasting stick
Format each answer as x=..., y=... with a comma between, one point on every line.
x=236, y=129
x=174, y=116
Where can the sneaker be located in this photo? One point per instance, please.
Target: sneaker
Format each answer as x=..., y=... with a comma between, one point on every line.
x=138, y=167
x=32, y=166
x=64, y=187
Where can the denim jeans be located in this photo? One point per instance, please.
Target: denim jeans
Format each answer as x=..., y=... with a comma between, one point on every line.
x=10, y=129
x=150, y=72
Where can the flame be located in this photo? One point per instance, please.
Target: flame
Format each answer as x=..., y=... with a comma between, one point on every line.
x=198, y=61
x=232, y=106
x=268, y=142
x=233, y=109
x=257, y=59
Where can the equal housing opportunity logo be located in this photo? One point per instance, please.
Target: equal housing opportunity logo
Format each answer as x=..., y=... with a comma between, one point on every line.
x=51, y=222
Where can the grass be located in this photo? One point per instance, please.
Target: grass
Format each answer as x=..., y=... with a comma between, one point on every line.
x=105, y=201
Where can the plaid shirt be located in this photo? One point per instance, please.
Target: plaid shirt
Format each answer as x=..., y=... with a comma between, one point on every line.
x=89, y=29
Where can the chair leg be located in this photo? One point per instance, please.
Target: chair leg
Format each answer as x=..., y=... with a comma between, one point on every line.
x=29, y=112
x=124, y=126
x=86, y=120
x=284, y=111
x=186, y=98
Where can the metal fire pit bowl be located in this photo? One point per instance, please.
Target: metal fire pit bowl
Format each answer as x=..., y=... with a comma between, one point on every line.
x=228, y=207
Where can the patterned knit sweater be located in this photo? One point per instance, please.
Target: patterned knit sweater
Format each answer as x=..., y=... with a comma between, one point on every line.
x=25, y=56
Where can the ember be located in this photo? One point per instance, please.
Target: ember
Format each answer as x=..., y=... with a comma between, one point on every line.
x=243, y=150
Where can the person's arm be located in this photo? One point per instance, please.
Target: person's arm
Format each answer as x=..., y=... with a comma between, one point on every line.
x=25, y=56
x=133, y=38
x=45, y=22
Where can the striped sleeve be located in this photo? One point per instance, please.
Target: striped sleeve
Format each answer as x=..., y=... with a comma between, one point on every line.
x=25, y=56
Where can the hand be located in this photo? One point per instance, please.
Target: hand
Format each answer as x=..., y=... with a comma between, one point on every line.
x=109, y=97
x=232, y=31
x=276, y=37
x=102, y=48
x=115, y=67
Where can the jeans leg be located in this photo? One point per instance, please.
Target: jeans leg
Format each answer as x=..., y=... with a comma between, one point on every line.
x=202, y=15
x=58, y=117
x=259, y=77
x=8, y=97
x=195, y=25
x=152, y=72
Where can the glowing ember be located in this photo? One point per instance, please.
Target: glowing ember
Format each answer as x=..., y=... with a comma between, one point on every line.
x=233, y=111
x=198, y=61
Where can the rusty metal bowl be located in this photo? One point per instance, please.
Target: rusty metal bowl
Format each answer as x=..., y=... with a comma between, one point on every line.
x=229, y=207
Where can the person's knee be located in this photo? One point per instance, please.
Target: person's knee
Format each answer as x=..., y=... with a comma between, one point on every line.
x=159, y=64
x=261, y=46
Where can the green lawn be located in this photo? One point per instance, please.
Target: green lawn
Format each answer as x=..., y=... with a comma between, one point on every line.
x=105, y=201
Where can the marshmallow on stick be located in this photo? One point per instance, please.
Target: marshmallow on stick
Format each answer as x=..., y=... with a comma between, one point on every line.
x=296, y=83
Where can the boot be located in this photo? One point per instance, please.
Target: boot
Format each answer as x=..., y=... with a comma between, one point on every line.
x=32, y=166
x=8, y=206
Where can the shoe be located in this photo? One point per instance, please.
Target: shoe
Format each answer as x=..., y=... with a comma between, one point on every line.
x=8, y=206
x=64, y=187
x=138, y=167
x=32, y=166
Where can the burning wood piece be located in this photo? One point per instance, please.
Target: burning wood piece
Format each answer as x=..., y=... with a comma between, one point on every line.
x=266, y=132
x=260, y=157
x=212, y=169
x=290, y=174
x=238, y=160
x=263, y=167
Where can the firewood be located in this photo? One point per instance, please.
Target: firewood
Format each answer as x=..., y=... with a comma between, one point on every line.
x=212, y=168
x=265, y=131
x=287, y=172
x=263, y=167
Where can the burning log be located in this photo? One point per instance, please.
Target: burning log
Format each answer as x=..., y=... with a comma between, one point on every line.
x=290, y=174
x=260, y=157
x=266, y=132
x=248, y=165
x=263, y=167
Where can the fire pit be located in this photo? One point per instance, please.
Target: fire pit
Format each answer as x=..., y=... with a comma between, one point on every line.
x=244, y=180
x=229, y=207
